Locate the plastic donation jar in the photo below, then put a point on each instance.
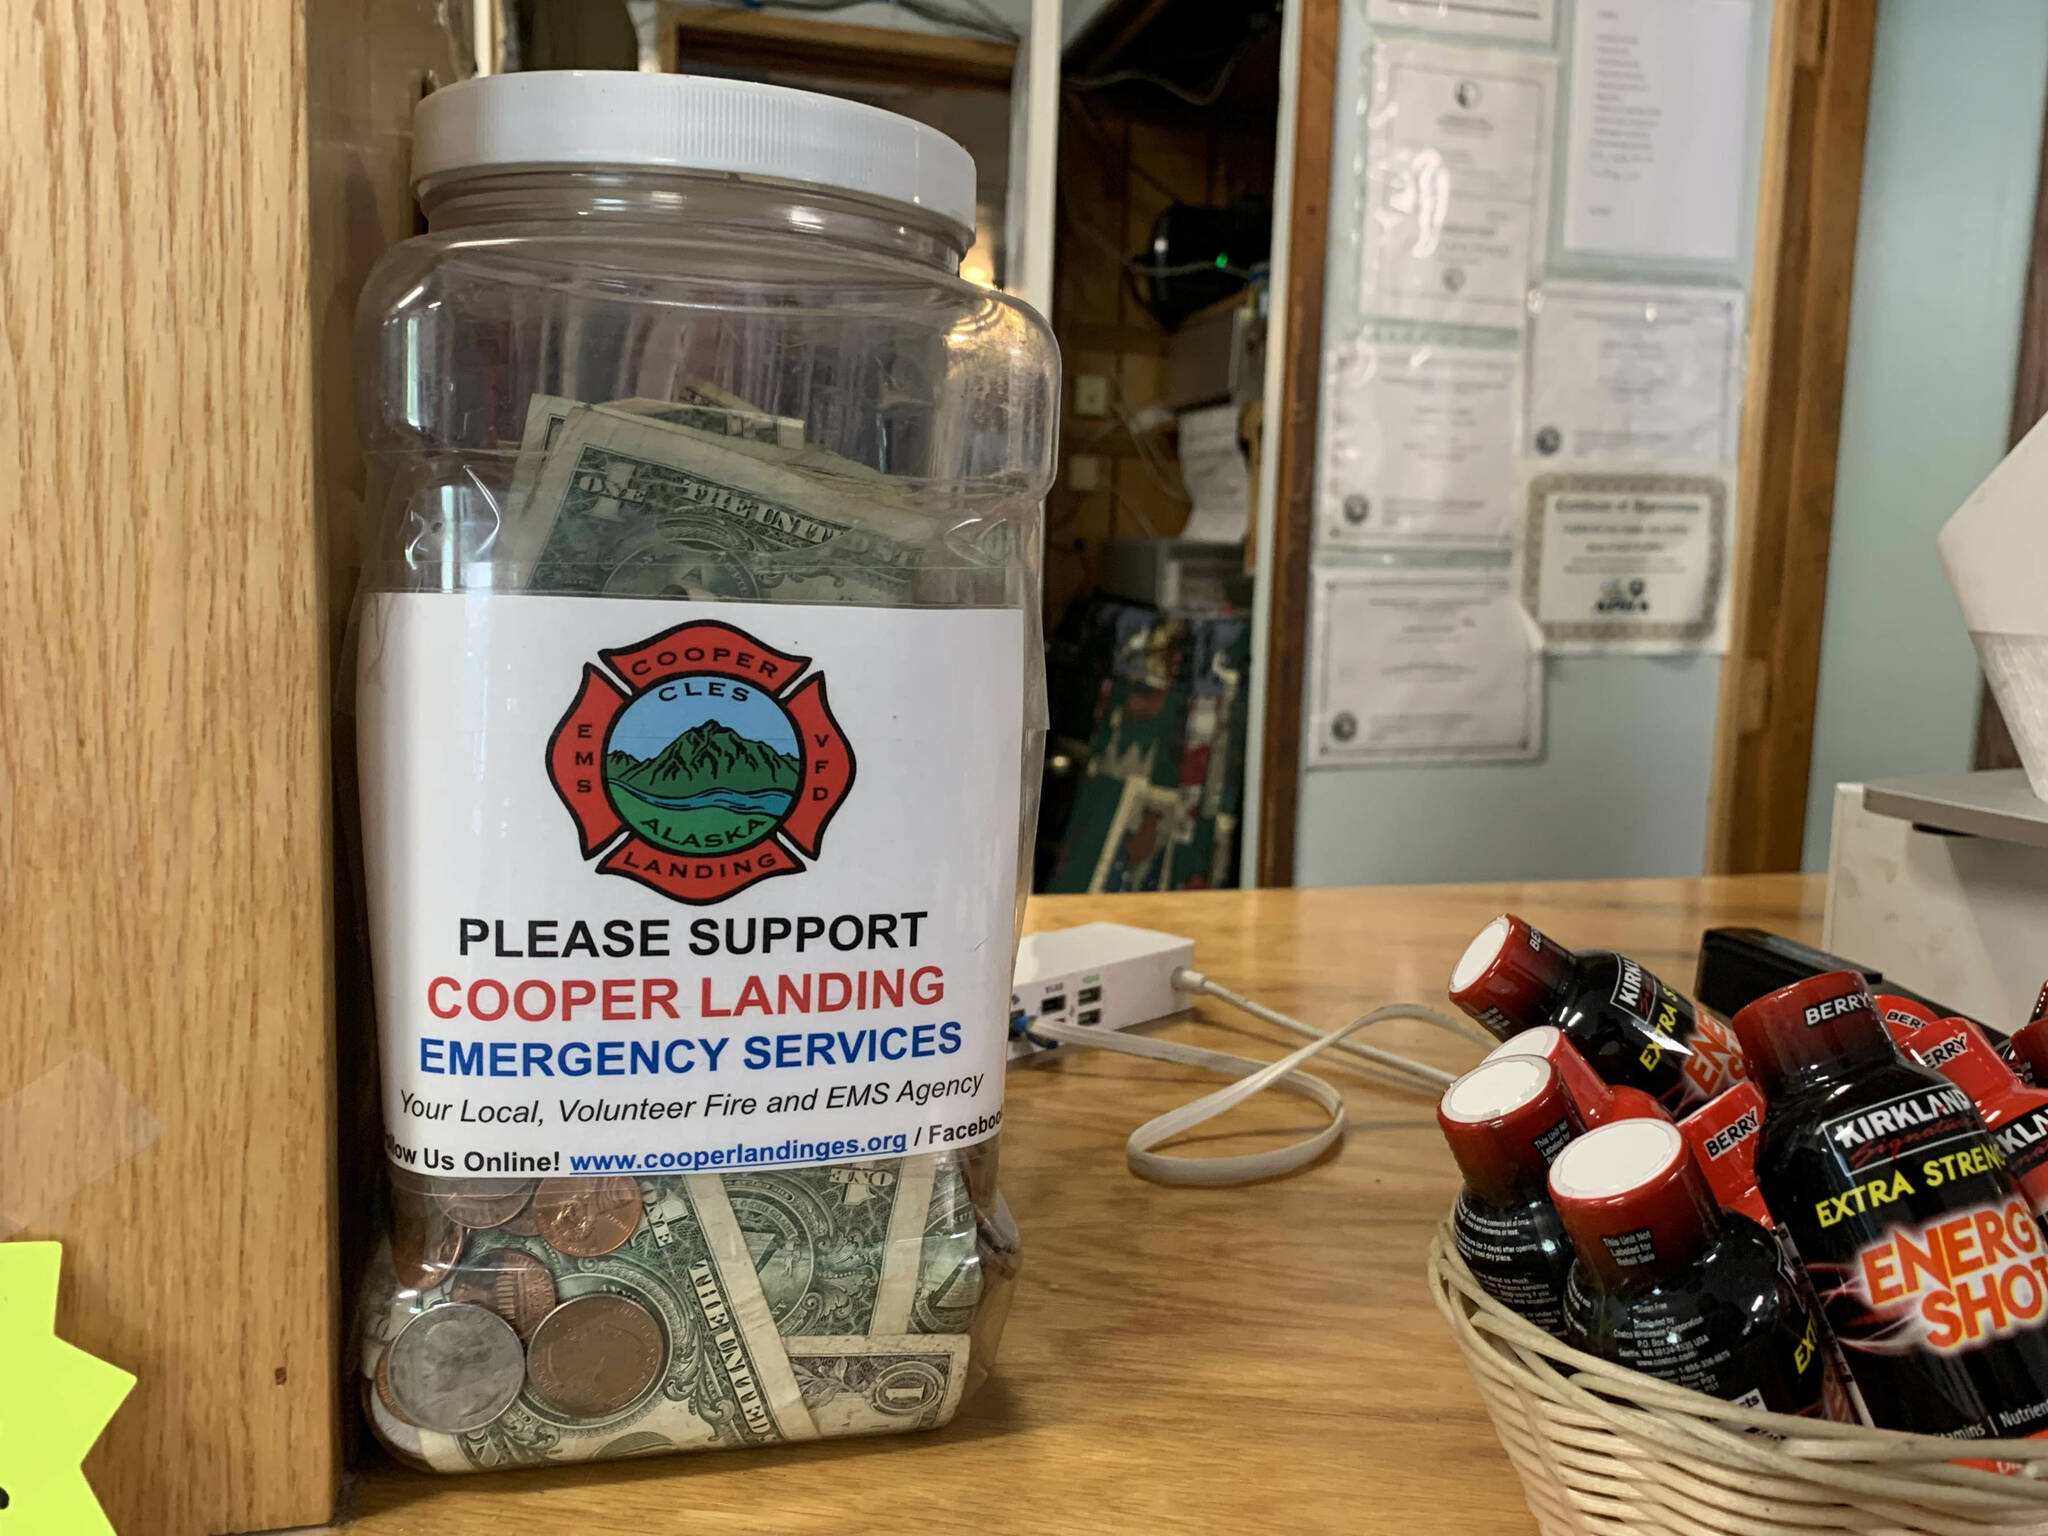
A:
(698, 709)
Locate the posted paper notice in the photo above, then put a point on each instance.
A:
(1657, 129)
(1629, 562)
(1457, 182)
(1423, 666)
(1420, 447)
(1629, 372)
(1213, 469)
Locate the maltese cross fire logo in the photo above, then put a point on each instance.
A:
(700, 761)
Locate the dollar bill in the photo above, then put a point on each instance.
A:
(903, 1251)
(643, 508)
(833, 1246)
(741, 421)
(807, 457)
(700, 410)
(726, 1381)
(951, 1269)
(704, 392)
(880, 1383)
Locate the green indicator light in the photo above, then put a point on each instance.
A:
(1222, 261)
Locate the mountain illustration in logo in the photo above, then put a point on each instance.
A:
(700, 761)
(705, 757)
(710, 788)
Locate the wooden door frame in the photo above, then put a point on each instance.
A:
(1807, 207)
(1301, 351)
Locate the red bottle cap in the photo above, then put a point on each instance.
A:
(1903, 1012)
(1957, 1049)
(1509, 976)
(2031, 1045)
(1505, 1120)
(1722, 1134)
(1633, 1200)
(1597, 1101)
(1810, 1023)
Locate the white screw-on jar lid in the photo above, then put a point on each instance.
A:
(691, 122)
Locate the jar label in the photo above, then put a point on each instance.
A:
(672, 886)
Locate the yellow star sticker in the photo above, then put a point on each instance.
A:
(54, 1401)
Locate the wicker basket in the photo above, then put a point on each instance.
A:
(1600, 1448)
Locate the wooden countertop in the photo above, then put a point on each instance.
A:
(1263, 1358)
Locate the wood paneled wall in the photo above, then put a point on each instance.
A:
(166, 1059)
(163, 740)
(1118, 173)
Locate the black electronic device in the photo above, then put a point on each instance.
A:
(1200, 255)
(1739, 965)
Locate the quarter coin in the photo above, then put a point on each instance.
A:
(456, 1368)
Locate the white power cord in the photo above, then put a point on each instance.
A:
(1253, 1077)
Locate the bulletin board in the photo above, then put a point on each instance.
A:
(1543, 380)
(1585, 446)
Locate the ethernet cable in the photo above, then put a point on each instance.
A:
(1254, 1077)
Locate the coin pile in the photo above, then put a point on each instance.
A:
(510, 1322)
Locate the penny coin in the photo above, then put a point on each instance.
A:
(456, 1368)
(515, 1285)
(383, 1380)
(587, 1218)
(424, 1243)
(595, 1355)
(483, 1203)
(523, 1224)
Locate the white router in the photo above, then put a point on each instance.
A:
(1105, 975)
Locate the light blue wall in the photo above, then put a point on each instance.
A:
(1950, 164)
(1621, 790)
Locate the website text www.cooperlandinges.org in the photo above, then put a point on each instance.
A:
(741, 1154)
(793, 1152)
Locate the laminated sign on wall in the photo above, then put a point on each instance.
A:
(1631, 562)
(1637, 372)
(1658, 127)
(1419, 444)
(1421, 666)
(1457, 182)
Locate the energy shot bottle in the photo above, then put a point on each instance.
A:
(1927, 1260)
(1903, 1013)
(1632, 1029)
(1505, 1120)
(2030, 1043)
(1722, 1136)
(1669, 1284)
(2016, 1114)
(1903, 1016)
(1597, 1101)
